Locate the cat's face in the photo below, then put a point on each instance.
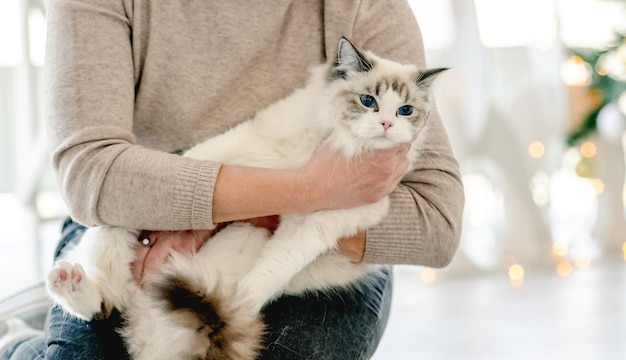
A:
(383, 103)
(383, 110)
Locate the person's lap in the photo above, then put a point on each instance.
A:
(345, 324)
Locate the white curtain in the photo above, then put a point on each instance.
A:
(505, 92)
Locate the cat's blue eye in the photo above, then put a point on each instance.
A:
(405, 110)
(368, 101)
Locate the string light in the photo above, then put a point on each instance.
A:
(516, 275)
(612, 63)
(536, 149)
(598, 185)
(601, 69)
(588, 149)
(564, 268)
(582, 262)
(559, 249)
(576, 72)
(428, 275)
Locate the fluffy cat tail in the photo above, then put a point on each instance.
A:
(184, 314)
(223, 326)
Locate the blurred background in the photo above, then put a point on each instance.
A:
(535, 106)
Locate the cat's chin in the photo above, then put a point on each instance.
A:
(384, 142)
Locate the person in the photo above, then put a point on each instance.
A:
(131, 84)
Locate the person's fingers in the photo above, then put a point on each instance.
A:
(402, 149)
(403, 165)
(156, 254)
(162, 243)
(268, 222)
(353, 246)
(137, 266)
(191, 241)
(141, 253)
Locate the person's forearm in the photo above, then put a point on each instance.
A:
(243, 192)
(327, 181)
(256, 192)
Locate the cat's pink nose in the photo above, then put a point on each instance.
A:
(386, 124)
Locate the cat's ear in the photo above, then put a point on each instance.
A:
(349, 58)
(426, 77)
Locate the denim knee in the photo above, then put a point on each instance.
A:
(346, 323)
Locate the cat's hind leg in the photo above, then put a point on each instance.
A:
(70, 287)
(95, 276)
(298, 241)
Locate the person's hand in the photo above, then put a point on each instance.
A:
(162, 243)
(269, 222)
(334, 182)
(353, 247)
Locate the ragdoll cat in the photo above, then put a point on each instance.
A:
(206, 306)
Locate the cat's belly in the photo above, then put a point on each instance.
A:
(233, 251)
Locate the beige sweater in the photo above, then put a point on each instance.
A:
(132, 82)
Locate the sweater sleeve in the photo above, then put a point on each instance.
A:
(424, 223)
(105, 177)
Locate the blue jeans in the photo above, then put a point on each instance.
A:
(339, 325)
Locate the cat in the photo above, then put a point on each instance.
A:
(207, 305)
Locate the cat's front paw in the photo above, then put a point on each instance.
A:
(70, 287)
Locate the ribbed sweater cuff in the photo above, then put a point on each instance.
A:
(395, 240)
(193, 194)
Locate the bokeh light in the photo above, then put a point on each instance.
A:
(516, 275)
(588, 149)
(536, 149)
(428, 275)
(576, 72)
(564, 268)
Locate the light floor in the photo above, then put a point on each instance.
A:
(581, 317)
(479, 316)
